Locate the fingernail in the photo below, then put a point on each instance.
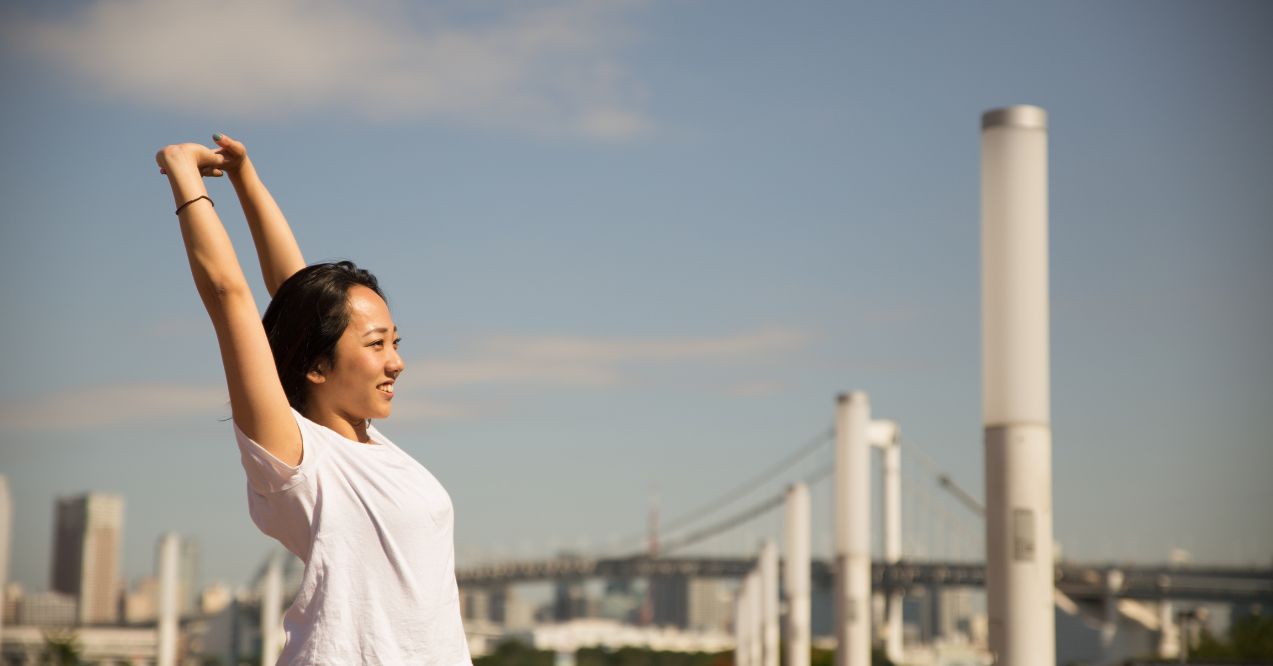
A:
(216, 137)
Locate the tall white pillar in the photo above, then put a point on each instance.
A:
(1015, 385)
(1109, 627)
(755, 619)
(740, 626)
(769, 602)
(853, 531)
(271, 612)
(169, 556)
(1168, 636)
(6, 527)
(892, 472)
(796, 575)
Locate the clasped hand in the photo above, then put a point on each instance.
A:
(228, 158)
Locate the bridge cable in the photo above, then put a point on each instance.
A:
(743, 516)
(740, 490)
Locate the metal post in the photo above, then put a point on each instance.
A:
(1015, 386)
(853, 531)
(169, 557)
(769, 601)
(797, 576)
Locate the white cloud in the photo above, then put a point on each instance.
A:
(755, 389)
(539, 67)
(412, 410)
(565, 361)
(112, 405)
(537, 361)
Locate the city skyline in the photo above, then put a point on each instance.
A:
(646, 245)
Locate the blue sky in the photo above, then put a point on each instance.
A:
(644, 244)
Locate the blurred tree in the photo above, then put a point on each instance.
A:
(61, 649)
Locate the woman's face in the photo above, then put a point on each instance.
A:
(359, 383)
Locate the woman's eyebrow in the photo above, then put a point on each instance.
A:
(379, 329)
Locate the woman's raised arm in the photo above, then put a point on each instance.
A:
(276, 246)
(257, 400)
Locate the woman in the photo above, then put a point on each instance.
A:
(373, 526)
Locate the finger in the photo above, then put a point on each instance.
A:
(217, 173)
(229, 145)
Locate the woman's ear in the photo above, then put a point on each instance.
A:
(317, 374)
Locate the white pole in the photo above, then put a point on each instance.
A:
(797, 576)
(169, 563)
(893, 545)
(1168, 637)
(740, 626)
(6, 526)
(755, 620)
(271, 602)
(769, 602)
(1109, 628)
(1015, 385)
(853, 531)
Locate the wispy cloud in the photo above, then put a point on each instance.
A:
(503, 362)
(537, 67)
(111, 405)
(415, 410)
(565, 361)
(755, 389)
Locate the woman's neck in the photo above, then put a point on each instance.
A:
(347, 427)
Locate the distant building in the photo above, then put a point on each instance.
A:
(669, 597)
(12, 597)
(141, 604)
(214, 597)
(86, 554)
(570, 600)
(621, 601)
(691, 602)
(711, 604)
(47, 609)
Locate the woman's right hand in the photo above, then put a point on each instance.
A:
(201, 157)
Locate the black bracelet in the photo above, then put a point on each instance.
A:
(178, 211)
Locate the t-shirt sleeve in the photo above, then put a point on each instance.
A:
(267, 474)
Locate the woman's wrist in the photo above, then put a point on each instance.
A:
(244, 170)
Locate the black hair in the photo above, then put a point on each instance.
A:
(306, 318)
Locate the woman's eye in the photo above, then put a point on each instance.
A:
(378, 343)
(397, 342)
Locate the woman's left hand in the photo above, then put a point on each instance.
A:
(228, 158)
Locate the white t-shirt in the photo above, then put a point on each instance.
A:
(375, 531)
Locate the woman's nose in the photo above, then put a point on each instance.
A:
(396, 364)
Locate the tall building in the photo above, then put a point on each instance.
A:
(86, 554)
